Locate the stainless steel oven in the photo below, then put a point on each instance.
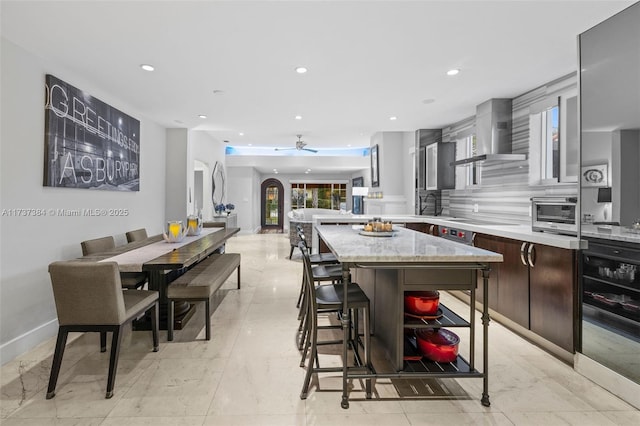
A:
(558, 215)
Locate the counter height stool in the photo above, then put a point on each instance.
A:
(324, 299)
(130, 280)
(89, 297)
(136, 235)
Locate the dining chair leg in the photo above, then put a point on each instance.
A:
(170, 321)
(207, 320)
(57, 361)
(103, 341)
(154, 325)
(113, 360)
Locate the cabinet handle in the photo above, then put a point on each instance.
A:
(473, 239)
(531, 254)
(522, 249)
(431, 229)
(616, 252)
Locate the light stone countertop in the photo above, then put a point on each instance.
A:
(608, 232)
(404, 246)
(517, 232)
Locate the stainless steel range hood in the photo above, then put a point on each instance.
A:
(493, 134)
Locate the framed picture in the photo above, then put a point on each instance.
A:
(594, 176)
(88, 143)
(375, 176)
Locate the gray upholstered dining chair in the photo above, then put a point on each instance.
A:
(130, 280)
(136, 235)
(89, 298)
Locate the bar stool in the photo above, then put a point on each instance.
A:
(327, 267)
(320, 274)
(325, 299)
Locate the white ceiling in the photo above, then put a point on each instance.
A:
(367, 60)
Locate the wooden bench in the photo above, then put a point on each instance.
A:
(200, 282)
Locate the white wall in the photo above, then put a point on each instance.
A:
(206, 150)
(241, 187)
(29, 244)
(176, 170)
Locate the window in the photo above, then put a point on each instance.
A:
(553, 139)
(319, 195)
(467, 148)
(549, 144)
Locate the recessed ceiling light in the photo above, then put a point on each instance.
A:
(202, 116)
(241, 134)
(298, 117)
(301, 70)
(454, 71)
(147, 67)
(393, 118)
(306, 172)
(428, 101)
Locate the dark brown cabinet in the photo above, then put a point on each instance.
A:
(552, 293)
(425, 228)
(508, 281)
(535, 286)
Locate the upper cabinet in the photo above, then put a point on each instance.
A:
(434, 161)
(610, 118)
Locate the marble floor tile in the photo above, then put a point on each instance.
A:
(249, 373)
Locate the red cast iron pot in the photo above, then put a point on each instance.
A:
(421, 302)
(439, 345)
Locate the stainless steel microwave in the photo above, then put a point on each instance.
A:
(558, 215)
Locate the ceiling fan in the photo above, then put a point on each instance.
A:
(300, 146)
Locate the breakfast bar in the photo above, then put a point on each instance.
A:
(405, 260)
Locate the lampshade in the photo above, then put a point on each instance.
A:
(604, 195)
(359, 191)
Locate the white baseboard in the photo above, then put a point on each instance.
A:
(27, 341)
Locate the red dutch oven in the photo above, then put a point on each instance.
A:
(421, 302)
(439, 345)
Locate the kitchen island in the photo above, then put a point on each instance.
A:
(410, 260)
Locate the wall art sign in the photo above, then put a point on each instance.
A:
(594, 175)
(88, 144)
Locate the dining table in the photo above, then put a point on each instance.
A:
(163, 262)
(388, 264)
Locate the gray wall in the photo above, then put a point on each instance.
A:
(29, 244)
(505, 190)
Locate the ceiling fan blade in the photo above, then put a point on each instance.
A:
(284, 149)
(310, 150)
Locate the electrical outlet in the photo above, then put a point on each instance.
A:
(475, 208)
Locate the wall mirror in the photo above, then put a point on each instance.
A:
(217, 184)
(610, 118)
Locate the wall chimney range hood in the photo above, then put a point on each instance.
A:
(493, 134)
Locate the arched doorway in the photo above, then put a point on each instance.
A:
(272, 205)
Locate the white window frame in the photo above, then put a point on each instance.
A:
(464, 174)
(539, 133)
